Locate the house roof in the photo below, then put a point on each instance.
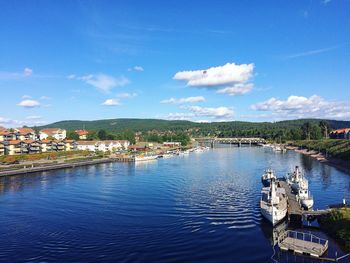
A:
(344, 130)
(87, 142)
(81, 132)
(24, 131)
(51, 131)
(13, 142)
(2, 129)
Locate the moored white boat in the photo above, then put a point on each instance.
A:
(267, 177)
(145, 158)
(300, 186)
(273, 204)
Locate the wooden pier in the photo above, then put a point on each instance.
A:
(303, 243)
(295, 210)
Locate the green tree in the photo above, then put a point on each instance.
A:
(102, 135)
(71, 135)
(306, 130)
(325, 128)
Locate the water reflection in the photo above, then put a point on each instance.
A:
(202, 208)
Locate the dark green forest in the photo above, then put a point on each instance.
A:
(160, 130)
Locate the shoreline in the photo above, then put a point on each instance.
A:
(51, 167)
(342, 165)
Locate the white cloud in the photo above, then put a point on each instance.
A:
(45, 98)
(237, 89)
(29, 103)
(17, 123)
(183, 100)
(217, 113)
(136, 68)
(26, 97)
(127, 95)
(303, 107)
(223, 78)
(102, 82)
(111, 102)
(27, 72)
(33, 117)
(314, 52)
(183, 116)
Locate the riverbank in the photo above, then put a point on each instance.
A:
(55, 166)
(336, 155)
(337, 224)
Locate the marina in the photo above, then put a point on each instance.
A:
(190, 207)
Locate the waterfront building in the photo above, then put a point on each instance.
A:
(25, 134)
(86, 146)
(103, 146)
(70, 145)
(172, 144)
(340, 134)
(56, 133)
(82, 134)
(14, 147)
(33, 146)
(2, 149)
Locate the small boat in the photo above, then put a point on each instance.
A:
(273, 203)
(145, 158)
(300, 186)
(295, 178)
(267, 177)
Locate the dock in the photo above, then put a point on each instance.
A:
(303, 243)
(295, 209)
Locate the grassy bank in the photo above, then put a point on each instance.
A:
(339, 149)
(337, 224)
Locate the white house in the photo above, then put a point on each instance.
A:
(103, 146)
(56, 133)
(87, 146)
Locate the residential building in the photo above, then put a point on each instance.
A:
(70, 145)
(82, 134)
(87, 146)
(340, 134)
(2, 149)
(33, 146)
(25, 134)
(10, 135)
(103, 146)
(56, 133)
(58, 146)
(14, 147)
(172, 144)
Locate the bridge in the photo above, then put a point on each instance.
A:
(235, 141)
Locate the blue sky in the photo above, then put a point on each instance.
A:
(195, 60)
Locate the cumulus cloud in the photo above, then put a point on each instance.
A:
(27, 72)
(229, 79)
(183, 100)
(217, 113)
(29, 103)
(183, 116)
(16, 123)
(237, 89)
(111, 102)
(303, 107)
(102, 82)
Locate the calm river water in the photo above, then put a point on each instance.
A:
(203, 207)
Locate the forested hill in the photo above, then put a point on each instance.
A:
(234, 128)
